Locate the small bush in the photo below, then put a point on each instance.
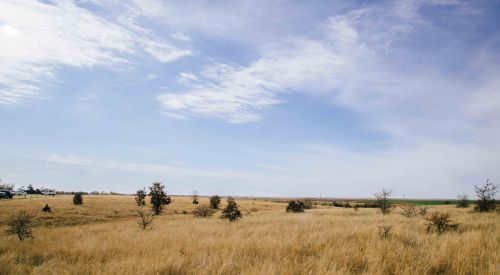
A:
(78, 198)
(463, 201)
(46, 208)
(408, 211)
(203, 211)
(140, 197)
(20, 225)
(295, 207)
(231, 211)
(214, 202)
(195, 197)
(384, 231)
(422, 211)
(440, 222)
(145, 221)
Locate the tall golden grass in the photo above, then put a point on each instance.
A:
(101, 237)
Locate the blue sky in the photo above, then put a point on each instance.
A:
(263, 98)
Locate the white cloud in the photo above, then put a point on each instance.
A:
(180, 36)
(39, 38)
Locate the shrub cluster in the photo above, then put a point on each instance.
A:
(295, 207)
(203, 211)
(440, 222)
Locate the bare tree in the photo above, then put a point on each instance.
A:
(145, 221)
(486, 197)
(383, 198)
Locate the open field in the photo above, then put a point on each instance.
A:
(101, 237)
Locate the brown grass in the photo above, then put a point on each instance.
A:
(101, 237)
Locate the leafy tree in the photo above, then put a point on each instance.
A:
(463, 201)
(159, 197)
(486, 197)
(78, 198)
(30, 190)
(295, 207)
(140, 197)
(383, 198)
(20, 225)
(214, 202)
(195, 197)
(231, 211)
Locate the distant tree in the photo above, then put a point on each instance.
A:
(78, 198)
(159, 197)
(6, 186)
(295, 207)
(231, 211)
(486, 197)
(463, 201)
(30, 190)
(46, 208)
(383, 198)
(195, 197)
(140, 197)
(145, 221)
(214, 202)
(20, 225)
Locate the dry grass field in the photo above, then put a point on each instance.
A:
(102, 237)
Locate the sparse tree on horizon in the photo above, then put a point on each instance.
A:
(195, 197)
(486, 197)
(383, 198)
(158, 197)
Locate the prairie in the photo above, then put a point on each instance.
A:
(102, 237)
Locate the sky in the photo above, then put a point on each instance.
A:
(251, 98)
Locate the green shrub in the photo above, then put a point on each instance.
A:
(140, 197)
(463, 201)
(231, 211)
(214, 202)
(203, 211)
(78, 198)
(440, 222)
(295, 207)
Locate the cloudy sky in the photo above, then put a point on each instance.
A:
(267, 98)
